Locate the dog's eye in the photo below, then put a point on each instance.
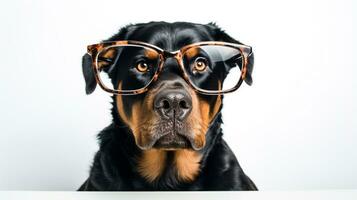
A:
(142, 67)
(200, 64)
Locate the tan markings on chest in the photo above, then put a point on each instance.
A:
(152, 164)
(187, 163)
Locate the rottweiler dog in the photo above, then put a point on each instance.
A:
(167, 81)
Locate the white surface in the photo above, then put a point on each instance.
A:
(295, 128)
(276, 195)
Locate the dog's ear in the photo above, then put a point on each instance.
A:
(88, 73)
(221, 35)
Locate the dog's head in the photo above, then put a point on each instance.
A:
(170, 114)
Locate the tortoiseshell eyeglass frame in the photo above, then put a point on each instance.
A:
(95, 49)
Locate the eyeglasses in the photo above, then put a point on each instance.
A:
(130, 67)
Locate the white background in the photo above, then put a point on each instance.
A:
(295, 128)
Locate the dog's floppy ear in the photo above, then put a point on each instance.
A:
(88, 73)
(220, 35)
(87, 68)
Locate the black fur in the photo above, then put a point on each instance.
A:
(115, 165)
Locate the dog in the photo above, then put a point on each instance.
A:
(168, 136)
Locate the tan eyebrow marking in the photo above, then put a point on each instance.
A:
(192, 52)
(151, 54)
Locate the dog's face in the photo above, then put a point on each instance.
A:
(170, 114)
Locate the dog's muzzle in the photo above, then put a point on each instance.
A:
(173, 106)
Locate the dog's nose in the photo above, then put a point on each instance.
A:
(173, 104)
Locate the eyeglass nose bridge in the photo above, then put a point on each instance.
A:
(173, 54)
(178, 56)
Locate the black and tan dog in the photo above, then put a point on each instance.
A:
(168, 137)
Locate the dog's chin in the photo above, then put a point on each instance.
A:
(171, 136)
(172, 141)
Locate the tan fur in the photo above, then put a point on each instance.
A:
(196, 122)
(141, 119)
(135, 123)
(192, 52)
(151, 54)
(152, 163)
(188, 164)
(201, 116)
(120, 107)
